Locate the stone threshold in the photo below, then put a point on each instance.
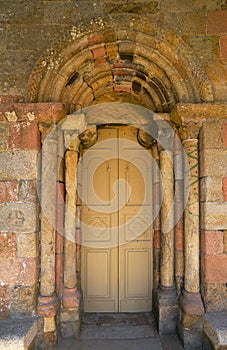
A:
(215, 331)
(18, 333)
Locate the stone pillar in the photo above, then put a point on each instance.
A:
(156, 216)
(47, 301)
(190, 325)
(166, 298)
(178, 213)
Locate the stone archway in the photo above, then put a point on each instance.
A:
(62, 276)
(120, 58)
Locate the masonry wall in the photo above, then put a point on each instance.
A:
(19, 202)
(27, 28)
(213, 197)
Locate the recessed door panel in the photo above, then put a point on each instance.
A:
(116, 224)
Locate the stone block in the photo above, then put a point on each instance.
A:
(214, 268)
(8, 244)
(18, 333)
(49, 324)
(28, 191)
(225, 241)
(18, 165)
(4, 133)
(224, 126)
(213, 162)
(213, 216)
(18, 217)
(187, 23)
(8, 191)
(4, 301)
(215, 328)
(212, 242)
(211, 134)
(23, 300)
(24, 135)
(214, 295)
(99, 51)
(21, 271)
(224, 188)
(192, 339)
(206, 48)
(223, 46)
(211, 189)
(21, 12)
(27, 245)
(217, 22)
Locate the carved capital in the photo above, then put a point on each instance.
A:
(47, 305)
(48, 131)
(145, 138)
(71, 140)
(89, 137)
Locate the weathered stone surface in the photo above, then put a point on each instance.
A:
(49, 324)
(223, 44)
(213, 216)
(212, 242)
(17, 333)
(217, 22)
(4, 133)
(211, 189)
(209, 167)
(24, 135)
(8, 244)
(8, 191)
(4, 302)
(186, 22)
(27, 245)
(214, 268)
(18, 165)
(28, 191)
(211, 134)
(21, 271)
(23, 300)
(215, 327)
(214, 295)
(18, 217)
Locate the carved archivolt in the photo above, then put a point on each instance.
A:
(133, 61)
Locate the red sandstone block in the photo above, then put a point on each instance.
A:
(8, 191)
(223, 46)
(212, 242)
(179, 238)
(96, 39)
(157, 239)
(99, 51)
(214, 268)
(122, 88)
(4, 99)
(4, 301)
(22, 271)
(100, 62)
(8, 244)
(224, 188)
(24, 135)
(224, 133)
(217, 22)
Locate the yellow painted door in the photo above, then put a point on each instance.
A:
(116, 271)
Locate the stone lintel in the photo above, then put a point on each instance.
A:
(47, 305)
(71, 298)
(166, 310)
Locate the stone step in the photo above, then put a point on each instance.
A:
(215, 331)
(18, 333)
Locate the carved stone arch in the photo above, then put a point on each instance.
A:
(133, 61)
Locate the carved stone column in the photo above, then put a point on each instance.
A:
(47, 301)
(166, 298)
(192, 309)
(179, 209)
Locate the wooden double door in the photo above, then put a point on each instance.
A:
(116, 260)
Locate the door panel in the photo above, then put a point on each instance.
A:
(117, 260)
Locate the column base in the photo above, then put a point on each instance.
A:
(190, 326)
(47, 305)
(166, 310)
(71, 312)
